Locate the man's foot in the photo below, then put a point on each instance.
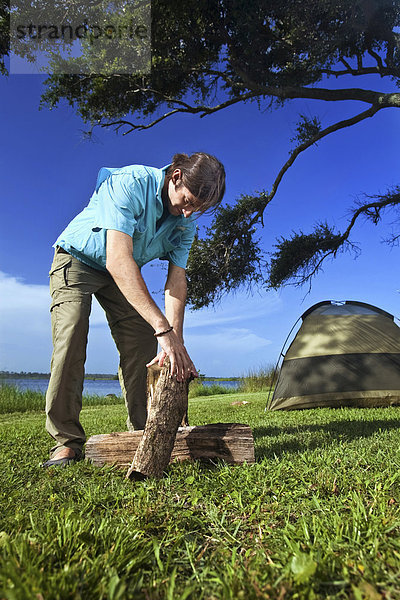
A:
(63, 458)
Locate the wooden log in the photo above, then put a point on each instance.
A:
(168, 406)
(231, 442)
(153, 375)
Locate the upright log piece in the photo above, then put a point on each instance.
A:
(168, 406)
(153, 374)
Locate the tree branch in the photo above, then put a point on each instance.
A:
(121, 122)
(356, 72)
(361, 95)
(378, 59)
(346, 64)
(221, 75)
(183, 108)
(307, 278)
(378, 99)
(391, 200)
(229, 232)
(311, 93)
(372, 210)
(321, 134)
(394, 240)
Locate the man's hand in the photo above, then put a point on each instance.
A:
(181, 364)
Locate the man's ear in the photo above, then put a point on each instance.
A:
(176, 177)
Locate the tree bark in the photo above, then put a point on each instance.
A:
(153, 375)
(168, 406)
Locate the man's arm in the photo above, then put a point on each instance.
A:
(175, 298)
(126, 274)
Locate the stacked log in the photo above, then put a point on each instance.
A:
(231, 442)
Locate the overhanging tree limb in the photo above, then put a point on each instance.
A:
(332, 128)
(389, 200)
(267, 198)
(377, 99)
(211, 55)
(230, 239)
(203, 111)
(297, 260)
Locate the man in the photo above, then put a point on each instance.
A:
(135, 215)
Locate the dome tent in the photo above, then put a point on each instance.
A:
(344, 354)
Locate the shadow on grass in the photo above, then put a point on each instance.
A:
(298, 437)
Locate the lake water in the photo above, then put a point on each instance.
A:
(98, 387)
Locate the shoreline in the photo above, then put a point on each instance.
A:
(4, 375)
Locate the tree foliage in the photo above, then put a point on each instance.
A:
(212, 54)
(300, 257)
(229, 255)
(301, 253)
(307, 128)
(4, 35)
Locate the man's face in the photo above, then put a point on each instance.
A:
(180, 200)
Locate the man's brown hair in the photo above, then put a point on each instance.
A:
(203, 175)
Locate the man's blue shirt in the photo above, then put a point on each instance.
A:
(128, 199)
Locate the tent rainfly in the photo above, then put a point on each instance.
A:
(344, 354)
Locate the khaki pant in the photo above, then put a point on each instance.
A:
(72, 284)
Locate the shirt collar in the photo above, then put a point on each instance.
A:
(161, 182)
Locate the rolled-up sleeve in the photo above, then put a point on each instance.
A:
(119, 203)
(179, 255)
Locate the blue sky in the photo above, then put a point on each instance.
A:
(48, 171)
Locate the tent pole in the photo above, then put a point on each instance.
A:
(274, 375)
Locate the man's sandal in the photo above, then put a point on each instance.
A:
(62, 462)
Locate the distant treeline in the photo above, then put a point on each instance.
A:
(219, 378)
(35, 375)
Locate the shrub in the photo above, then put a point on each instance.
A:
(257, 380)
(196, 388)
(13, 399)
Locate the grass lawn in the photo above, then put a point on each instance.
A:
(317, 516)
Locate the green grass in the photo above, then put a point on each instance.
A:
(12, 399)
(317, 516)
